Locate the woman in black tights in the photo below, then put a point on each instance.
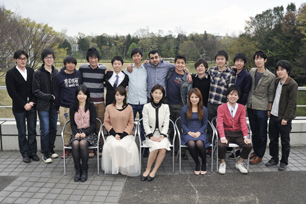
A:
(194, 124)
(83, 125)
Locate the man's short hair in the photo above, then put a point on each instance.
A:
(222, 53)
(180, 57)
(18, 53)
(241, 56)
(92, 52)
(153, 52)
(135, 51)
(284, 64)
(47, 52)
(118, 58)
(70, 59)
(233, 88)
(199, 62)
(261, 54)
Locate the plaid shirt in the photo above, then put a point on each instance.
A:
(219, 83)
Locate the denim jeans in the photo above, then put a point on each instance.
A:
(48, 128)
(27, 147)
(276, 130)
(258, 122)
(138, 108)
(175, 113)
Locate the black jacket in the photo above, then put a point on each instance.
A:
(43, 88)
(19, 89)
(110, 94)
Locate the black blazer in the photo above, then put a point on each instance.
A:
(110, 90)
(19, 89)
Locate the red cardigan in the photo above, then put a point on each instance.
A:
(225, 122)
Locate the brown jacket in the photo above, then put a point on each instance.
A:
(288, 99)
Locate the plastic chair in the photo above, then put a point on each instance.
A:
(213, 145)
(233, 145)
(142, 144)
(90, 147)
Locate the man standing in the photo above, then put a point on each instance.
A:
(42, 88)
(65, 85)
(19, 87)
(137, 95)
(93, 77)
(221, 78)
(177, 94)
(259, 105)
(282, 112)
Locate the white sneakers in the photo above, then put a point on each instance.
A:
(47, 160)
(222, 168)
(53, 155)
(241, 168)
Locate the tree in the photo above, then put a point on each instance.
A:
(189, 50)
(66, 45)
(132, 46)
(83, 43)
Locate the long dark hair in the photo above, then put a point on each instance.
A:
(121, 90)
(85, 90)
(160, 87)
(197, 92)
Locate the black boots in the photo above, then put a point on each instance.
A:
(84, 172)
(77, 176)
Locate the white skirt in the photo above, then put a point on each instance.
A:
(164, 144)
(121, 156)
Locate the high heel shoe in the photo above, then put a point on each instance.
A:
(150, 178)
(203, 172)
(197, 172)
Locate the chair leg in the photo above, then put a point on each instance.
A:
(65, 173)
(98, 160)
(212, 159)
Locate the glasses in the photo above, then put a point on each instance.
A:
(48, 58)
(23, 59)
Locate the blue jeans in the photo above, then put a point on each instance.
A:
(48, 128)
(258, 122)
(27, 147)
(138, 108)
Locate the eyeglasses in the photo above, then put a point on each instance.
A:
(49, 58)
(23, 59)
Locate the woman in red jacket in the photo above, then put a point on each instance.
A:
(232, 128)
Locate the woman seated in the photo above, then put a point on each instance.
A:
(83, 125)
(232, 128)
(156, 123)
(120, 152)
(194, 124)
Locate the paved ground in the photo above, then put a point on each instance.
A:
(38, 182)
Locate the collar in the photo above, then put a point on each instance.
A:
(25, 69)
(231, 107)
(206, 76)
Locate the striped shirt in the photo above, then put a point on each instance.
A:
(219, 83)
(93, 79)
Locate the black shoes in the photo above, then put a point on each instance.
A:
(26, 159)
(271, 162)
(35, 158)
(282, 167)
(150, 178)
(84, 173)
(77, 176)
(184, 156)
(143, 178)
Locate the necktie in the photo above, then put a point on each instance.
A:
(116, 81)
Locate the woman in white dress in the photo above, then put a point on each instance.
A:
(156, 124)
(120, 152)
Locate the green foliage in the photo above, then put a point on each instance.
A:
(66, 45)
(189, 50)
(132, 46)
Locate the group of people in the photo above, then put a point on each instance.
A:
(158, 91)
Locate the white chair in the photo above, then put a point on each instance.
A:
(213, 145)
(233, 145)
(142, 144)
(90, 147)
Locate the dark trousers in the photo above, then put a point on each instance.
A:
(237, 138)
(212, 112)
(277, 130)
(175, 112)
(27, 147)
(138, 108)
(258, 122)
(48, 128)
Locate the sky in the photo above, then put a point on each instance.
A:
(121, 17)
